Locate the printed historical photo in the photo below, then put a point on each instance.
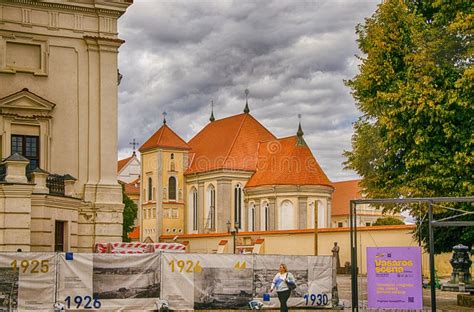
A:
(8, 289)
(265, 269)
(130, 276)
(218, 288)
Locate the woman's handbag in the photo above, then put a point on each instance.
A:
(291, 284)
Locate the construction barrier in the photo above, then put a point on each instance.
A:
(152, 281)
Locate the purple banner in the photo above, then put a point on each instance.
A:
(394, 278)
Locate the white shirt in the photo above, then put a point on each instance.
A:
(279, 281)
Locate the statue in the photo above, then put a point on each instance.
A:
(335, 254)
(461, 265)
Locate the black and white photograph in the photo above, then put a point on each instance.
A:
(8, 289)
(265, 269)
(131, 276)
(217, 288)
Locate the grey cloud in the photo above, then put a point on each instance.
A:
(293, 56)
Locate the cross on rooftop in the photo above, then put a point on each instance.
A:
(134, 144)
(164, 117)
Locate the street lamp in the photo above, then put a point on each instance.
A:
(234, 231)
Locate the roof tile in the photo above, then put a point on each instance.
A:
(344, 192)
(164, 137)
(284, 162)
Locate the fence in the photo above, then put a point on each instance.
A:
(40, 281)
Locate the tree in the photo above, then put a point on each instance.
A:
(414, 89)
(129, 215)
(388, 221)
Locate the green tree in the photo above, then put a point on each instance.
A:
(388, 221)
(415, 137)
(129, 215)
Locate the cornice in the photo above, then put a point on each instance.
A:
(76, 7)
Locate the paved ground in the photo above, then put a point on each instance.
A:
(445, 301)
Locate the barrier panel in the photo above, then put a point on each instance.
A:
(180, 281)
(314, 280)
(27, 281)
(109, 281)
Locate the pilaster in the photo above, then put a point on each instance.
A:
(273, 222)
(224, 204)
(302, 212)
(201, 216)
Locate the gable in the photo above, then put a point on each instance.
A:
(25, 103)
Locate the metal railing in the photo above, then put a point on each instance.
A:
(55, 183)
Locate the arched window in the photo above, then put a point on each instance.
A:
(265, 213)
(172, 156)
(238, 205)
(172, 188)
(150, 189)
(193, 200)
(251, 224)
(211, 208)
(287, 215)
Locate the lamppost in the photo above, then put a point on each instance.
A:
(234, 231)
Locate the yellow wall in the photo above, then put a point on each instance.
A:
(301, 242)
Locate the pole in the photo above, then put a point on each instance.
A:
(353, 260)
(233, 234)
(356, 272)
(432, 264)
(316, 227)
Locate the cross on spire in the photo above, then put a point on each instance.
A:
(247, 109)
(164, 118)
(134, 144)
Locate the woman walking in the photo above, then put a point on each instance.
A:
(282, 283)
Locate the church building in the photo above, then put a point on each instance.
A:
(234, 173)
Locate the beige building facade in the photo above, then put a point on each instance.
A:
(58, 108)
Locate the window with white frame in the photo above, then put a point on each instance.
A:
(251, 222)
(211, 207)
(193, 199)
(238, 205)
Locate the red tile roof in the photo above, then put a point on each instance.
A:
(228, 143)
(343, 193)
(122, 163)
(133, 188)
(284, 162)
(166, 138)
(135, 234)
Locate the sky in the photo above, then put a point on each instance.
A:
(292, 56)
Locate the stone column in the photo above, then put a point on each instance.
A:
(224, 204)
(302, 212)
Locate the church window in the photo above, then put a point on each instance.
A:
(287, 215)
(172, 156)
(194, 206)
(211, 201)
(321, 215)
(172, 188)
(265, 217)
(27, 146)
(238, 205)
(150, 189)
(251, 226)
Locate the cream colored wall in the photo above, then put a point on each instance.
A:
(67, 55)
(148, 224)
(302, 243)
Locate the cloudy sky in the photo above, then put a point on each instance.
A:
(292, 55)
